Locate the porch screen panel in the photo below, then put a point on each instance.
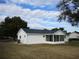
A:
(51, 38)
(56, 38)
(62, 37)
(47, 38)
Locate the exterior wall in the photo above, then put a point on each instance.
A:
(66, 39)
(34, 38)
(23, 36)
(41, 38)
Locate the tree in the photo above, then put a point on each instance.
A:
(45, 29)
(61, 29)
(69, 11)
(55, 29)
(11, 26)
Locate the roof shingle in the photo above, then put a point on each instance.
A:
(37, 31)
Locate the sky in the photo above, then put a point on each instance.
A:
(40, 14)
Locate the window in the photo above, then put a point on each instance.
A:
(49, 38)
(20, 37)
(43, 35)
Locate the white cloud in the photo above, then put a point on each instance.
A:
(11, 9)
(37, 2)
(33, 17)
(2, 17)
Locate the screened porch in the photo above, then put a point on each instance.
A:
(55, 38)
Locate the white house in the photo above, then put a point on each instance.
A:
(34, 36)
(73, 35)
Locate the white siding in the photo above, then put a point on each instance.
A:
(74, 35)
(34, 38)
(66, 39)
(39, 39)
(23, 36)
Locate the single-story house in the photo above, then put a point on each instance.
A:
(73, 36)
(35, 36)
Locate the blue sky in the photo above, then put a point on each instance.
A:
(39, 14)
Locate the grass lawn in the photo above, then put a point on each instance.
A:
(17, 51)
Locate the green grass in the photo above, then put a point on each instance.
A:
(18, 51)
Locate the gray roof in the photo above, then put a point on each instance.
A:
(37, 31)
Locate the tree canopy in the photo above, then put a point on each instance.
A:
(56, 29)
(10, 26)
(69, 11)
